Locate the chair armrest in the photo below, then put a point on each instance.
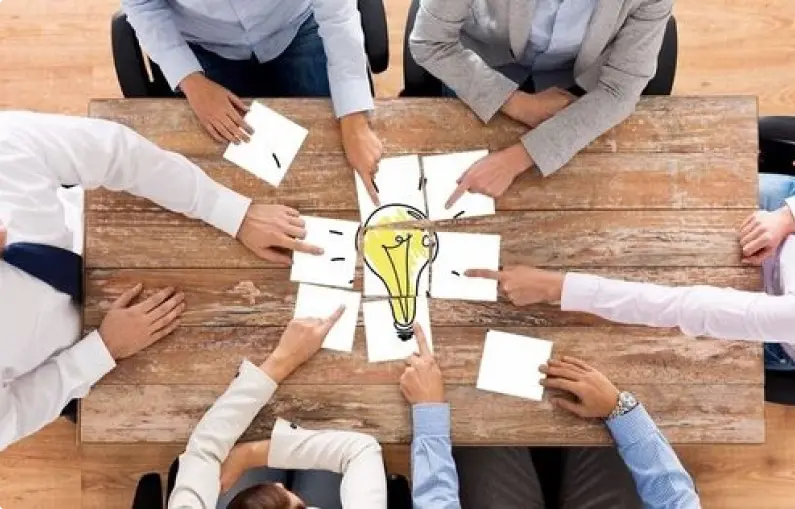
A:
(128, 58)
(417, 82)
(376, 34)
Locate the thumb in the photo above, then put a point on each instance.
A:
(577, 409)
(126, 298)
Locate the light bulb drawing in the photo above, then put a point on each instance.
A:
(399, 257)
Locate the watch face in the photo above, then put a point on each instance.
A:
(627, 400)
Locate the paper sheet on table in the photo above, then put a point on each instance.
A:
(441, 173)
(458, 252)
(320, 302)
(383, 343)
(510, 365)
(272, 148)
(337, 265)
(398, 180)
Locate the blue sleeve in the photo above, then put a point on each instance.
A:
(161, 39)
(432, 467)
(660, 478)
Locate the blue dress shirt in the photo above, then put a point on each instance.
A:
(661, 481)
(238, 29)
(435, 479)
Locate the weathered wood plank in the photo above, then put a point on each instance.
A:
(591, 181)
(212, 355)
(640, 238)
(660, 124)
(168, 413)
(243, 297)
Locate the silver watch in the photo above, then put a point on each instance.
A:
(626, 402)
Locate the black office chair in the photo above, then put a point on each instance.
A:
(777, 145)
(131, 63)
(418, 82)
(149, 492)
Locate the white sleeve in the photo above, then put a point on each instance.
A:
(721, 313)
(355, 455)
(39, 153)
(36, 398)
(199, 478)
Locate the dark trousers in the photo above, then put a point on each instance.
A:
(508, 478)
(300, 71)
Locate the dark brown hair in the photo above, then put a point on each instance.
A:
(261, 496)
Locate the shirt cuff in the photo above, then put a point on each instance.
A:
(431, 420)
(543, 150)
(631, 427)
(351, 96)
(229, 211)
(93, 357)
(790, 202)
(578, 291)
(249, 374)
(178, 63)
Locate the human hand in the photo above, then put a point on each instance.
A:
(524, 285)
(219, 110)
(422, 380)
(493, 174)
(762, 232)
(242, 458)
(533, 109)
(362, 148)
(273, 231)
(302, 339)
(596, 395)
(127, 329)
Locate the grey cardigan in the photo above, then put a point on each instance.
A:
(462, 41)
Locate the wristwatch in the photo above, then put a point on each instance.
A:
(625, 404)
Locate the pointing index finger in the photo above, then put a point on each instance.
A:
(462, 188)
(422, 341)
(483, 274)
(332, 320)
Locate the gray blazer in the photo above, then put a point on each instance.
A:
(462, 41)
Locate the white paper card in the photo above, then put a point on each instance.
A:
(374, 287)
(441, 173)
(320, 302)
(383, 343)
(272, 148)
(457, 253)
(398, 180)
(337, 265)
(510, 365)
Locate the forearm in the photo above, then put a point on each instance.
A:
(37, 398)
(339, 25)
(435, 44)
(721, 313)
(434, 476)
(161, 39)
(533, 109)
(660, 478)
(198, 480)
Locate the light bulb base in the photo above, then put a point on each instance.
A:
(403, 333)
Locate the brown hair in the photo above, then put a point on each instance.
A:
(261, 496)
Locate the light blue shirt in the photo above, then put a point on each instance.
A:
(433, 472)
(661, 480)
(238, 29)
(556, 34)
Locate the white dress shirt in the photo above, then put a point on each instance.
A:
(722, 313)
(43, 363)
(356, 456)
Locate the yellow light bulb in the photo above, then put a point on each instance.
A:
(398, 256)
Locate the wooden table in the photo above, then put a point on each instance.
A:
(658, 198)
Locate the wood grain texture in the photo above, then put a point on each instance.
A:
(638, 238)
(251, 297)
(212, 355)
(162, 413)
(660, 125)
(602, 181)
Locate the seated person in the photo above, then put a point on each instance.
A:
(44, 361)
(643, 470)
(484, 49)
(210, 464)
(215, 52)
